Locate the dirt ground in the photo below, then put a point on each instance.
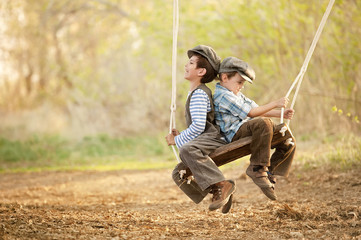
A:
(313, 204)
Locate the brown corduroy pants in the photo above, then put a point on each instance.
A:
(194, 155)
(261, 130)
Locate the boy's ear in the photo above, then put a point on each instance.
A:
(224, 77)
(201, 72)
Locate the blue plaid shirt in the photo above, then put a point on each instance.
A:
(231, 110)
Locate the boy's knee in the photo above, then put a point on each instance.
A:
(268, 121)
(265, 123)
(185, 150)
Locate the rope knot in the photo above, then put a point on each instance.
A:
(173, 108)
(181, 173)
(283, 131)
(289, 141)
(189, 178)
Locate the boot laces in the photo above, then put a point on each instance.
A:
(217, 193)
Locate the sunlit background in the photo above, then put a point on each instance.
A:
(91, 79)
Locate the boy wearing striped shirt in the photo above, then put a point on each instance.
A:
(236, 115)
(202, 135)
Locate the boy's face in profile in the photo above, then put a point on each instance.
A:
(190, 69)
(234, 84)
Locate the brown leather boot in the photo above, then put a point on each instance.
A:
(221, 192)
(260, 177)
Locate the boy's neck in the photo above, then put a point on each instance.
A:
(194, 85)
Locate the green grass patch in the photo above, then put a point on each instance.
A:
(336, 152)
(103, 152)
(98, 152)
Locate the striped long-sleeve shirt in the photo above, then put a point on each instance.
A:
(199, 106)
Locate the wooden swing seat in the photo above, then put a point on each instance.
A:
(240, 148)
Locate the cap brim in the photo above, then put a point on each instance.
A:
(245, 77)
(192, 52)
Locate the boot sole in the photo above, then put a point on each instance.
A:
(228, 205)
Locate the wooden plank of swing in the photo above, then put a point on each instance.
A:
(241, 147)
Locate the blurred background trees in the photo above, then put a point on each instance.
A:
(85, 67)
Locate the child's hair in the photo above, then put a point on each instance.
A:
(204, 63)
(229, 75)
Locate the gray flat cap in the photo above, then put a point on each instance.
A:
(208, 53)
(233, 64)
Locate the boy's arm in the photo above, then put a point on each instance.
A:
(288, 114)
(265, 110)
(273, 113)
(198, 109)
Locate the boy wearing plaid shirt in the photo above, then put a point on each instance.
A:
(236, 115)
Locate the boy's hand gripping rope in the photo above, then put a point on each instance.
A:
(307, 59)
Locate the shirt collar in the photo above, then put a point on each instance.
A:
(221, 88)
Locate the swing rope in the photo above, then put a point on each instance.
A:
(174, 73)
(297, 81)
(302, 72)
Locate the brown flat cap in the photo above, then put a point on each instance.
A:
(208, 53)
(233, 64)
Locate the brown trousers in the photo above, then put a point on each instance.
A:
(194, 155)
(261, 130)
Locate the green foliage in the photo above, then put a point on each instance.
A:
(16, 151)
(33, 150)
(115, 56)
(103, 145)
(353, 118)
(102, 152)
(334, 152)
